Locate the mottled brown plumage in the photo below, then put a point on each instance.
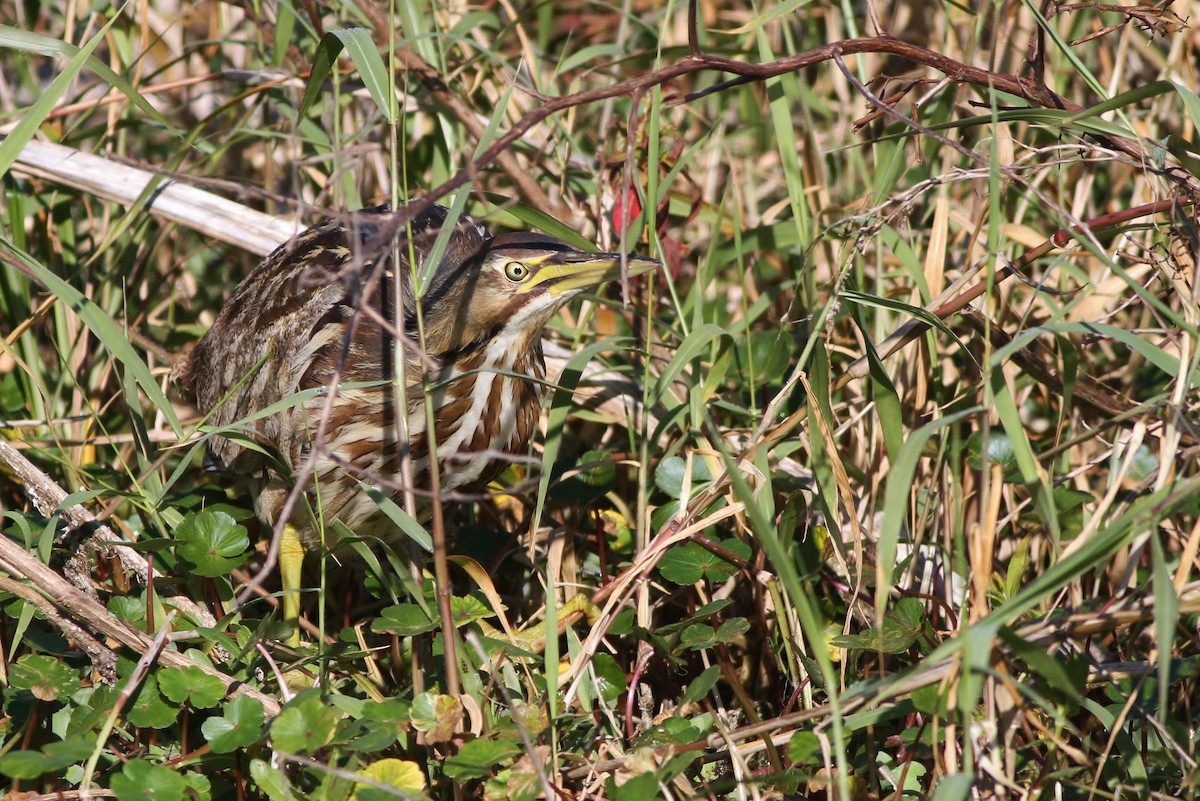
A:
(307, 343)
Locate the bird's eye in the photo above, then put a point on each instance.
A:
(516, 272)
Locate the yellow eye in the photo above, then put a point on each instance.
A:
(516, 272)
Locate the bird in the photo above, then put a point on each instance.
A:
(298, 372)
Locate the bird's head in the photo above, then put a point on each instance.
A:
(510, 287)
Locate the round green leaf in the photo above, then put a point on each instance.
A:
(51, 759)
(144, 781)
(149, 710)
(305, 725)
(668, 477)
(684, 563)
(402, 774)
(405, 620)
(239, 727)
(477, 758)
(129, 608)
(804, 748)
(999, 451)
(212, 541)
(688, 562)
(192, 685)
(47, 678)
(436, 715)
(610, 679)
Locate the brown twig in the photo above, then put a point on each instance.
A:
(527, 185)
(47, 497)
(91, 615)
(103, 659)
(1031, 89)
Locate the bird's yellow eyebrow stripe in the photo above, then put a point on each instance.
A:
(583, 273)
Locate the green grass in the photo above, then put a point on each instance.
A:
(962, 566)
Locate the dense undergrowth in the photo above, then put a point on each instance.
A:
(825, 563)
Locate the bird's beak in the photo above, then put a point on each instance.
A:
(567, 271)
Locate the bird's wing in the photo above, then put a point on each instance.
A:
(317, 312)
(283, 335)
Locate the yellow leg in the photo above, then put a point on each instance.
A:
(291, 559)
(533, 638)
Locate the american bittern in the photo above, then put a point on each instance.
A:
(320, 314)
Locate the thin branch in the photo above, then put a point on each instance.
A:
(91, 615)
(527, 185)
(47, 497)
(1029, 89)
(103, 659)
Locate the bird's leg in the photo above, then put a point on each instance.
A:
(291, 559)
(533, 638)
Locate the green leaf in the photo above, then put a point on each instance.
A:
(596, 476)
(671, 471)
(804, 748)
(900, 482)
(692, 346)
(361, 49)
(672, 731)
(45, 677)
(393, 710)
(130, 608)
(684, 563)
(701, 685)
(901, 627)
(468, 609)
(931, 699)
(436, 715)
(405, 620)
(477, 758)
(954, 787)
(999, 452)
(1066, 676)
(403, 778)
(732, 629)
(668, 476)
(140, 780)
(639, 788)
(1144, 464)
(305, 725)
(27, 764)
(536, 218)
(239, 726)
(191, 685)
(149, 710)
(270, 780)
(31, 118)
(53, 758)
(610, 678)
(514, 785)
(688, 562)
(212, 541)
(698, 636)
(27, 41)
